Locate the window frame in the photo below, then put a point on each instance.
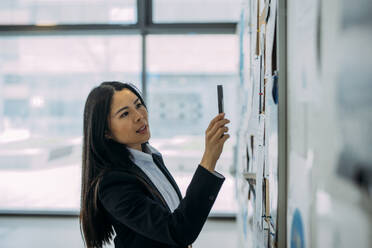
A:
(144, 26)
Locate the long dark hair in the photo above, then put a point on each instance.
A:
(100, 154)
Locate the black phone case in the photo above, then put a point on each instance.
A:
(220, 98)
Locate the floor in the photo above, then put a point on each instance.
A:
(58, 232)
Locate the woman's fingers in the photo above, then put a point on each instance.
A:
(224, 138)
(219, 133)
(218, 125)
(214, 120)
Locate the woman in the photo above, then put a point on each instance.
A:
(126, 187)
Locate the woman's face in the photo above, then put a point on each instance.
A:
(128, 117)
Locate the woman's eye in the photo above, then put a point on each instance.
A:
(139, 105)
(124, 114)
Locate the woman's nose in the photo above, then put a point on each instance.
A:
(138, 116)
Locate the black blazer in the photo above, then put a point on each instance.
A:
(140, 215)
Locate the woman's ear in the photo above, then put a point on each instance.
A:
(107, 135)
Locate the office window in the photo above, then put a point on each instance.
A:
(44, 82)
(172, 11)
(68, 12)
(183, 71)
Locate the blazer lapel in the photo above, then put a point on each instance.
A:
(137, 171)
(160, 163)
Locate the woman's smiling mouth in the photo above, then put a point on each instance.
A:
(142, 130)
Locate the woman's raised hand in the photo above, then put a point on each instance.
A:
(215, 138)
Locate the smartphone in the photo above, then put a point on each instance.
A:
(220, 98)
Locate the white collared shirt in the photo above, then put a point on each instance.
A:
(146, 163)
